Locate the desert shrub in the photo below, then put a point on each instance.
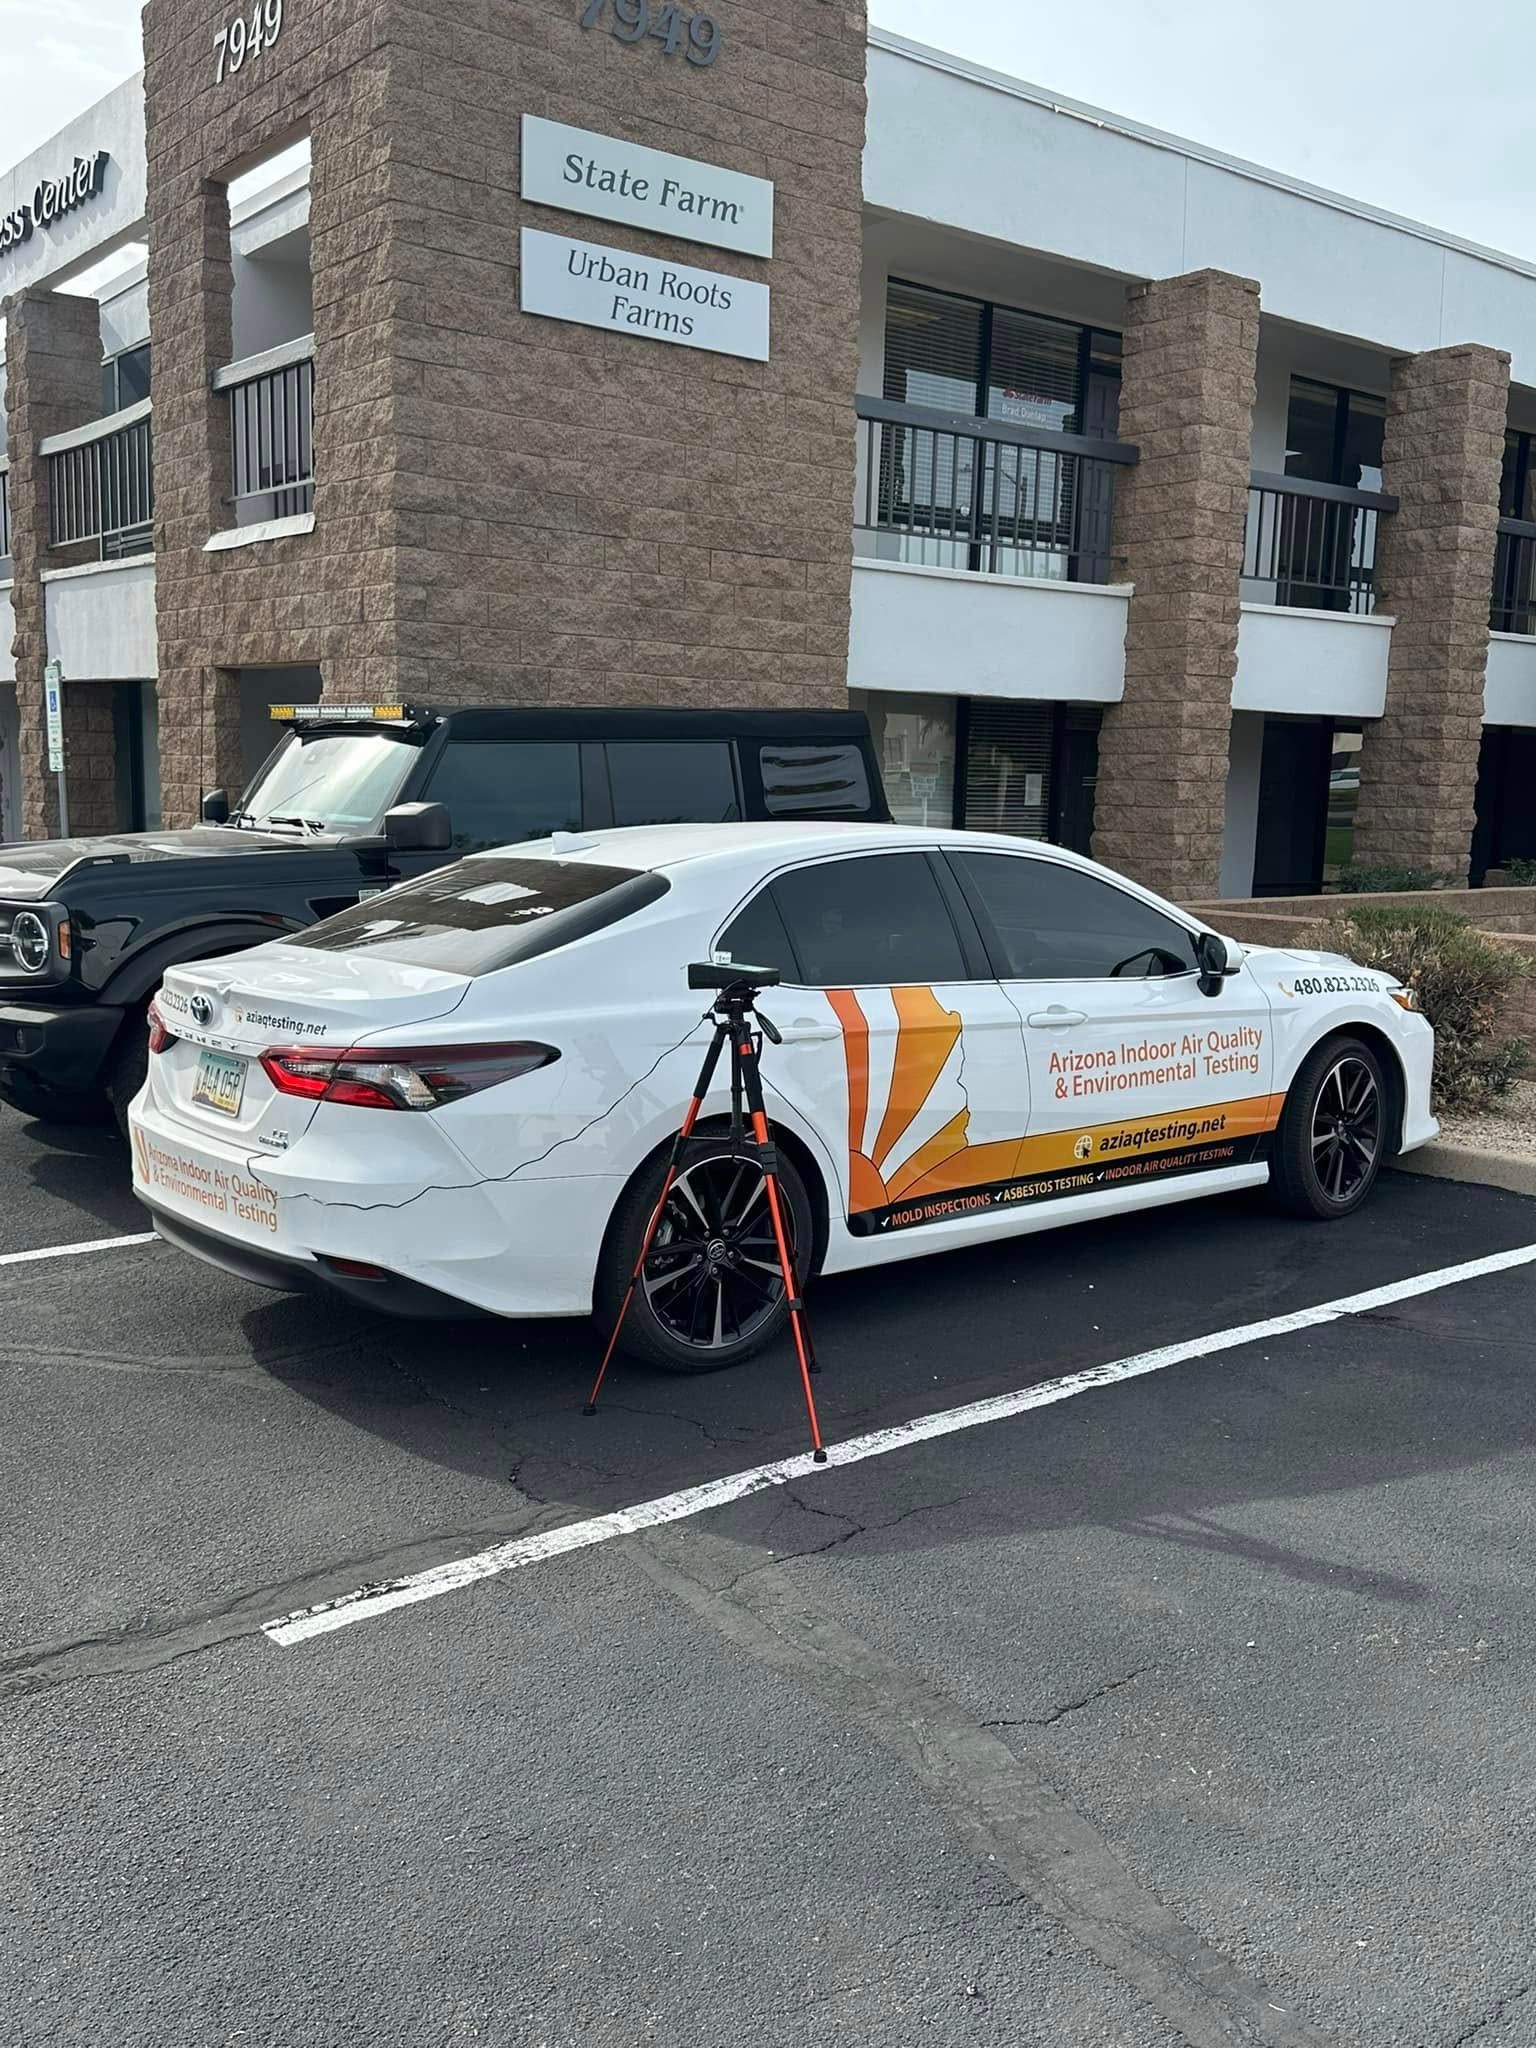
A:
(1521, 872)
(1461, 979)
(1382, 881)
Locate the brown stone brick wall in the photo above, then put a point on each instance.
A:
(509, 508)
(1190, 348)
(90, 758)
(52, 383)
(1434, 572)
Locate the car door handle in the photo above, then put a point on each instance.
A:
(1055, 1018)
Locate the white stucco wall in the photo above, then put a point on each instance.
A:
(1019, 164)
(125, 315)
(952, 633)
(115, 124)
(1311, 664)
(101, 621)
(1509, 687)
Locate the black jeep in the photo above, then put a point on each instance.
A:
(353, 799)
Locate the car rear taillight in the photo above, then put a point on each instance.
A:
(399, 1077)
(160, 1033)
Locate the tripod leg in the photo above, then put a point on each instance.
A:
(690, 1118)
(799, 1328)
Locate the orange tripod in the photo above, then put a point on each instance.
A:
(736, 992)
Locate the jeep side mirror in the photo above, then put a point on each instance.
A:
(214, 809)
(418, 828)
(1216, 961)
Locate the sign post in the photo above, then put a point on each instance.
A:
(53, 688)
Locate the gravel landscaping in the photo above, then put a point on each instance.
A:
(1510, 1126)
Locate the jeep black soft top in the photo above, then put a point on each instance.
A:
(353, 799)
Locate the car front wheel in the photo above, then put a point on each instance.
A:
(711, 1292)
(1333, 1132)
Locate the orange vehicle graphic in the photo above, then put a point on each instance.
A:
(909, 1118)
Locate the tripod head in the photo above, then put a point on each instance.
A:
(737, 988)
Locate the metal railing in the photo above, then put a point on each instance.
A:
(5, 524)
(271, 421)
(949, 491)
(101, 484)
(1514, 578)
(1312, 545)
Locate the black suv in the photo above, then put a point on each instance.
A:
(353, 799)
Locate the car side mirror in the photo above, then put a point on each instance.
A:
(1216, 960)
(418, 828)
(214, 809)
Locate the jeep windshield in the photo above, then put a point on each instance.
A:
(327, 782)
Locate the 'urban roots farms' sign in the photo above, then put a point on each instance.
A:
(647, 295)
(645, 188)
(52, 198)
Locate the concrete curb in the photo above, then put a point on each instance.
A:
(1515, 1171)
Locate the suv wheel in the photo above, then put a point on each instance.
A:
(129, 1067)
(51, 1105)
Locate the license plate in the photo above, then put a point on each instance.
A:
(220, 1083)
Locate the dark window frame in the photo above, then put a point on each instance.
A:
(112, 365)
(1085, 330)
(1343, 394)
(996, 946)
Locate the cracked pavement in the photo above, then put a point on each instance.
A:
(1193, 1710)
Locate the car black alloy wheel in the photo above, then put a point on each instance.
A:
(712, 1277)
(1346, 1129)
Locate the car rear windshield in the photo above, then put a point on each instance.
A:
(486, 913)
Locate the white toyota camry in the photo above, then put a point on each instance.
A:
(463, 1092)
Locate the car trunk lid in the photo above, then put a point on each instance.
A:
(225, 1014)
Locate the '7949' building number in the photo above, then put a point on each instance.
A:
(246, 37)
(697, 36)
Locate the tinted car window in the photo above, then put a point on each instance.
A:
(667, 782)
(487, 913)
(879, 919)
(810, 781)
(500, 791)
(1057, 924)
(756, 937)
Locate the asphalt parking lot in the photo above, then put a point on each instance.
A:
(1194, 1708)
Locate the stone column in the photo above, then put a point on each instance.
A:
(191, 295)
(53, 383)
(1190, 349)
(1434, 575)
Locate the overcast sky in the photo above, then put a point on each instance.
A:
(1414, 105)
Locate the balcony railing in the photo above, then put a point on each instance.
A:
(5, 525)
(271, 422)
(101, 484)
(1514, 578)
(952, 492)
(1312, 545)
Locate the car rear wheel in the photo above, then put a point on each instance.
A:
(1333, 1132)
(711, 1293)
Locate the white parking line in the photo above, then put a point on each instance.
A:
(69, 1251)
(515, 1555)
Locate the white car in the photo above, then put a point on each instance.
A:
(462, 1093)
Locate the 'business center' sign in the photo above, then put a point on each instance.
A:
(53, 198)
(645, 188)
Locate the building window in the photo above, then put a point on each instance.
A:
(956, 354)
(1334, 436)
(914, 742)
(125, 379)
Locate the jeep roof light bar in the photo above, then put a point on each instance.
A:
(350, 714)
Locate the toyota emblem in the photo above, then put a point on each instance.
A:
(202, 1011)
